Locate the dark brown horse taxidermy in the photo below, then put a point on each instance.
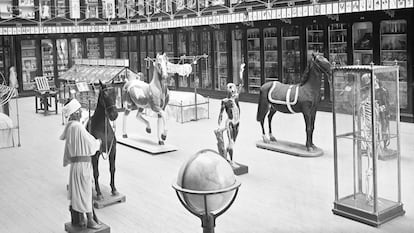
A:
(99, 126)
(303, 97)
(154, 95)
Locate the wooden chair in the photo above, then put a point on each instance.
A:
(45, 94)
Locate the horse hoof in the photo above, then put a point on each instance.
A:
(161, 143)
(148, 130)
(124, 135)
(99, 197)
(115, 193)
(163, 137)
(273, 139)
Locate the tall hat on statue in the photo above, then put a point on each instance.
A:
(71, 107)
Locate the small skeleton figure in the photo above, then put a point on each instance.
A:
(232, 123)
(365, 110)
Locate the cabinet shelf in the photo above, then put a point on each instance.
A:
(393, 34)
(270, 37)
(310, 42)
(252, 85)
(338, 42)
(290, 37)
(396, 50)
(320, 31)
(252, 77)
(363, 51)
(337, 30)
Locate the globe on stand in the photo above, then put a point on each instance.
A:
(206, 186)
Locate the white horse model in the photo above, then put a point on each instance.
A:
(141, 95)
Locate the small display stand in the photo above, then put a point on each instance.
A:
(140, 142)
(238, 168)
(290, 148)
(108, 198)
(72, 229)
(367, 162)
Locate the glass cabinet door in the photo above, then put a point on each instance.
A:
(6, 9)
(207, 65)
(44, 9)
(124, 47)
(291, 55)
(110, 50)
(271, 49)
(93, 48)
(338, 43)
(27, 9)
(108, 9)
(91, 9)
(47, 48)
(168, 40)
(362, 42)
(151, 54)
(253, 60)
(220, 59)
(194, 76)
(182, 50)
(237, 55)
(76, 49)
(314, 39)
(60, 8)
(29, 64)
(394, 51)
(62, 56)
(74, 7)
(133, 54)
(143, 55)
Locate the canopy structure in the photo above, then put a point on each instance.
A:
(93, 70)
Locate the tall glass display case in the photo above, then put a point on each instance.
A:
(76, 49)
(271, 66)
(110, 48)
(291, 55)
(27, 9)
(143, 55)
(314, 39)
(220, 59)
(62, 56)
(93, 48)
(29, 64)
(6, 9)
(338, 43)
(47, 61)
(205, 68)
(362, 42)
(367, 162)
(394, 48)
(133, 54)
(253, 60)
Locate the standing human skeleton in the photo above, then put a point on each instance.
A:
(232, 123)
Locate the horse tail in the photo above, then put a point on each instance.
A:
(263, 106)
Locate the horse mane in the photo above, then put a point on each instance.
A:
(305, 75)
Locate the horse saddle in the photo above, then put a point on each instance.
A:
(284, 94)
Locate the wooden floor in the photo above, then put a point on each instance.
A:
(281, 193)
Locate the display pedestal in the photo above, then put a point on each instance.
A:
(290, 148)
(239, 169)
(144, 144)
(357, 208)
(108, 198)
(73, 229)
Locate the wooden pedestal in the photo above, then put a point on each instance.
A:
(239, 169)
(290, 148)
(73, 229)
(144, 144)
(108, 198)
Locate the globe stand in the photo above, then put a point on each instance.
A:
(208, 219)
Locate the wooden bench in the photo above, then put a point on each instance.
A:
(44, 94)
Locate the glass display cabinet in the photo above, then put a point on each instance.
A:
(394, 48)
(253, 60)
(367, 163)
(362, 42)
(338, 43)
(291, 55)
(270, 54)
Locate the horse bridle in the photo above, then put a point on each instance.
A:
(322, 70)
(106, 128)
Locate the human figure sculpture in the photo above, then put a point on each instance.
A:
(80, 146)
(231, 106)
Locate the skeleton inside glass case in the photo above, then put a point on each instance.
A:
(366, 143)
